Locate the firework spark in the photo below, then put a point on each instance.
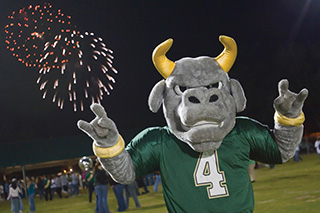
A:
(73, 67)
(29, 28)
(76, 67)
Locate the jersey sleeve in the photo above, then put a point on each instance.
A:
(263, 147)
(144, 150)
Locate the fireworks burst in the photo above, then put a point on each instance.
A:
(30, 27)
(73, 67)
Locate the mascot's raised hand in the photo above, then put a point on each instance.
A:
(288, 103)
(101, 129)
(288, 119)
(108, 145)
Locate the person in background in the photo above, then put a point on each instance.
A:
(64, 183)
(297, 156)
(131, 190)
(74, 184)
(317, 146)
(70, 185)
(90, 182)
(149, 180)
(53, 186)
(118, 190)
(14, 196)
(47, 188)
(6, 189)
(141, 184)
(158, 181)
(79, 176)
(58, 186)
(40, 187)
(83, 177)
(30, 191)
(22, 195)
(1, 192)
(101, 189)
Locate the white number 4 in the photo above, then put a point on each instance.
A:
(207, 173)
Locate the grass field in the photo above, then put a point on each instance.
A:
(291, 187)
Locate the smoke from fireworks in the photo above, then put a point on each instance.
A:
(73, 67)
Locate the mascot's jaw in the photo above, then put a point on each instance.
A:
(206, 146)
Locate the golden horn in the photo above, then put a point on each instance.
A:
(160, 60)
(227, 58)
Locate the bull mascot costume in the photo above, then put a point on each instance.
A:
(204, 150)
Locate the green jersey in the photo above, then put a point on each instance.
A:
(90, 179)
(215, 181)
(46, 183)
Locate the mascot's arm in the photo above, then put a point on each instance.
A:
(289, 118)
(108, 146)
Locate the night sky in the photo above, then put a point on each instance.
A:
(275, 40)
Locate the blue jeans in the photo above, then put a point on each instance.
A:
(149, 177)
(131, 191)
(15, 205)
(41, 193)
(31, 202)
(74, 189)
(101, 192)
(20, 206)
(158, 180)
(118, 190)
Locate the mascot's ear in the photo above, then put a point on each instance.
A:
(238, 95)
(156, 96)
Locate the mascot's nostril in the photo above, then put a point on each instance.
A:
(213, 98)
(194, 100)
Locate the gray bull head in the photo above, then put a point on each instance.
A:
(199, 100)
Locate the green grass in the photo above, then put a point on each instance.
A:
(291, 187)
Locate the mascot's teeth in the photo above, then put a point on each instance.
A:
(207, 123)
(221, 124)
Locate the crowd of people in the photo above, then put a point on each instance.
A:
(64, 185)
(97, 180)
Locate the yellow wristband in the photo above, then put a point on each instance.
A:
(285, 121)
(110, 151)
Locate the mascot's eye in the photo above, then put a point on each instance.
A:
(180, 89)
(217, 85)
